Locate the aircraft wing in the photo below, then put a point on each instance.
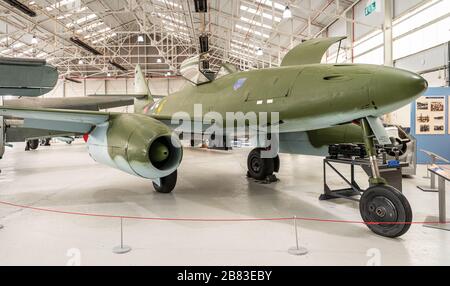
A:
(309, 52)
(26, 77)
(57, 119)
(79, 103)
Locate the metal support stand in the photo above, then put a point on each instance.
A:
(297, 250)
(121, 249)
(393, 175)
(442, 219)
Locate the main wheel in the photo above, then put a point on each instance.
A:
(167, 183)
(386, 211)
(259, 168)
(34, 144)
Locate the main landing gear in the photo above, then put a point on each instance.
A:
(385, 210)
(167, 184)
(262, 169)
(32, 144)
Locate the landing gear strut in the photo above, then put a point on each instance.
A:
(385, 209)
(262, 168)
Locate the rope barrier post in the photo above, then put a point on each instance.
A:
(297, 250)
(121, 249)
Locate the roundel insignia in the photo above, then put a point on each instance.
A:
(239, 83)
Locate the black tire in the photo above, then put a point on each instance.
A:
(167, 183)
(259, 168)
(34, 144)
(276, 164)
(386, 205)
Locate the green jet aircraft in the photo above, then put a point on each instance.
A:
(309, 102)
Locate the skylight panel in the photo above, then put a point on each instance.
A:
(5, 51)
(18, 45)
(170, 18)
(98, 33)
(257, 33)
(82, 20)
(243, 44)
(254, 22)
(260, 13)
(70, 14)
(89, 27)
(59, 4)
(170, 3)
(104, 38)
(174, 25)
(269, 3)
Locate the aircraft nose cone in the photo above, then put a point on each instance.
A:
(397, 87)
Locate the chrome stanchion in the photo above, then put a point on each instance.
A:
(121, 249)
(297, 250)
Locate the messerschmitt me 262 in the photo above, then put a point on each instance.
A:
(305, 94)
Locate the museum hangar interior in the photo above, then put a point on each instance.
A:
(116, 144)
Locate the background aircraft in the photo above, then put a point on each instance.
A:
(29, 78)
(306, 94)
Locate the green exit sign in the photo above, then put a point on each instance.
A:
(369, 9)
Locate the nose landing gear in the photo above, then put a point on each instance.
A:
(385, 210)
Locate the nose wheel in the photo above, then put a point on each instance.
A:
(386, 211)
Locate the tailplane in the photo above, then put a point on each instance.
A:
(142, 95)
(141, 89)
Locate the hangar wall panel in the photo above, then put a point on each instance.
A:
(116, 86)
(401, 6)
(425, 60)
(72, 89)
(94, 87)
(58, 90)
(375, 19)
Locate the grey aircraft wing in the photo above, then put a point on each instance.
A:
(93, 103)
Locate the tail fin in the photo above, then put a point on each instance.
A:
(141, 88)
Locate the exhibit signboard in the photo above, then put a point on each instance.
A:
(430, 115)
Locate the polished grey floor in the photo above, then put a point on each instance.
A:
(211, 185)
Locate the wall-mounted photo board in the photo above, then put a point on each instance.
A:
(430, 115)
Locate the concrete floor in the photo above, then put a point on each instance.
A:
(211, 184)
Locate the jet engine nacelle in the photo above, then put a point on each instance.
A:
(136, 144)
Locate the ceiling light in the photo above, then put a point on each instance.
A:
(259, 52)
(140, 39)
(159, 61)
(80, 62)
(168, 73)
(108, 74)
(23, 8)
(287, 14)
(85, 46)
(34, 40)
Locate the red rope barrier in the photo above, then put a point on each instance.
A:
(210, 219)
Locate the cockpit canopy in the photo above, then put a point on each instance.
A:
(193, 70)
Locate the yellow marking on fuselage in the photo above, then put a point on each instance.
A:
(161, 104)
